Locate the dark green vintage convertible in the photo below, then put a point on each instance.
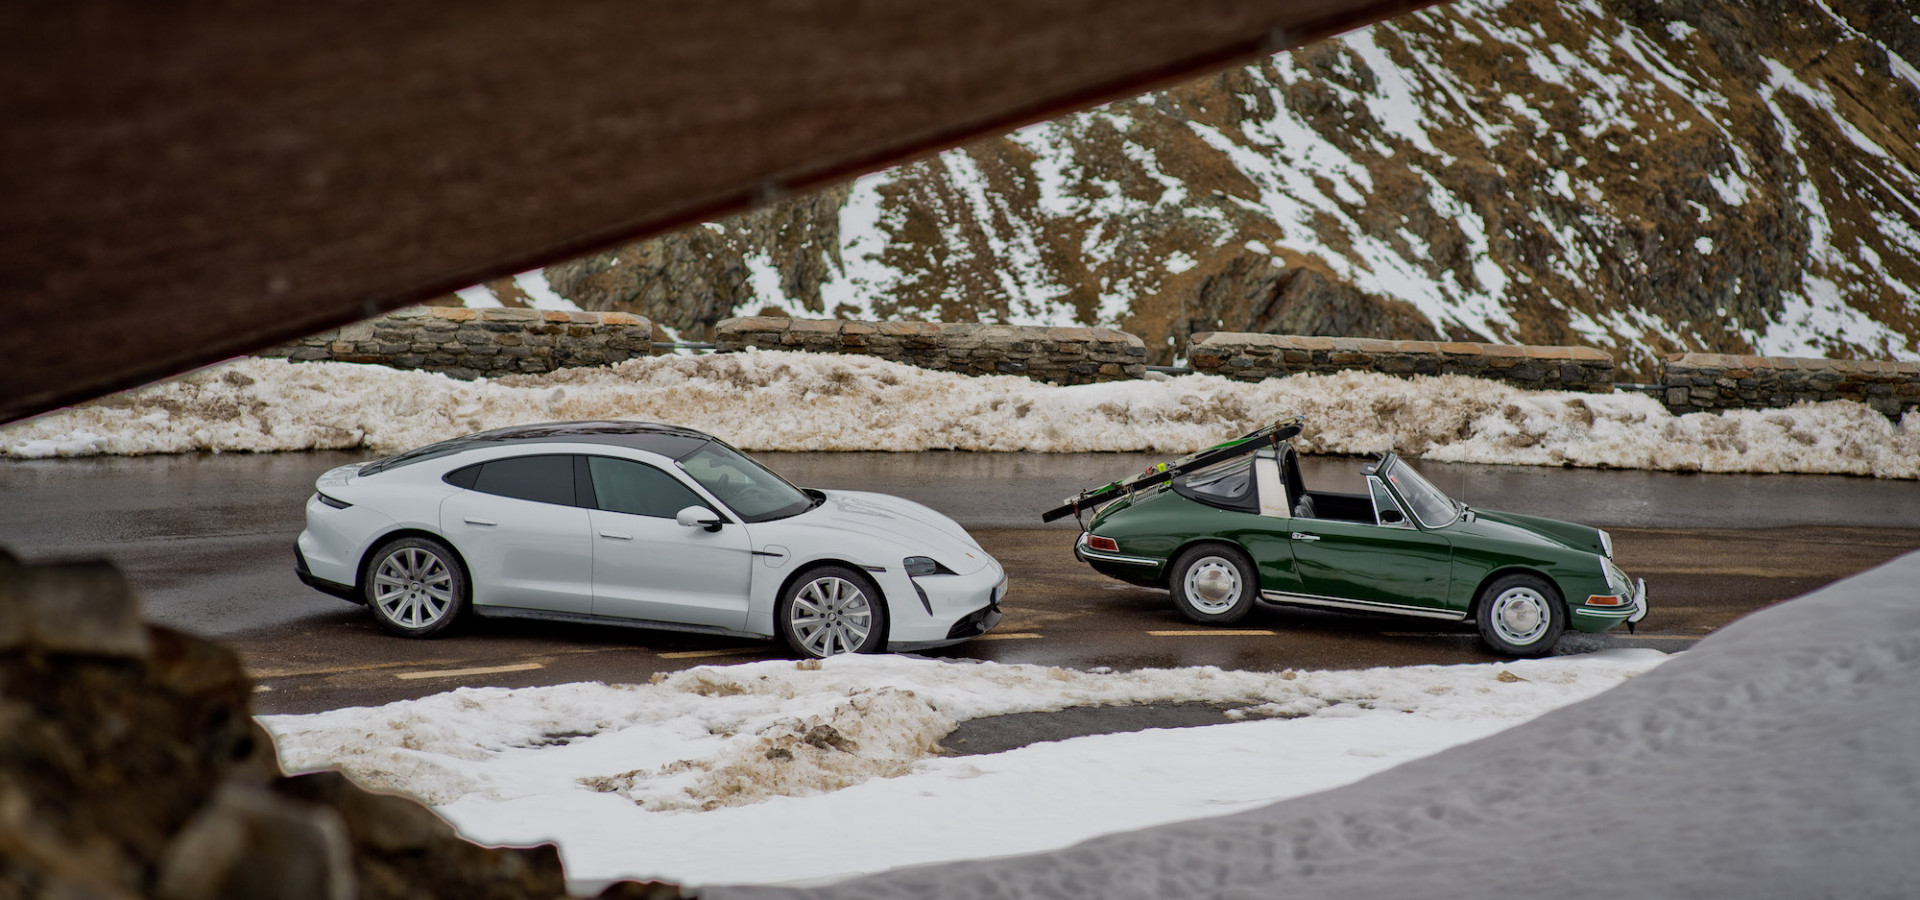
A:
(1244, 528)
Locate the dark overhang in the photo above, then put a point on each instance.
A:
(185, 182)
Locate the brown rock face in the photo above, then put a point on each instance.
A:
(1637, 176)
(130, 766)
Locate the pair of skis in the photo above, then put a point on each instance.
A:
(1167, 471)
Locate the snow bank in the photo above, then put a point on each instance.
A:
(668, 779)
(795, 401)
(1776, 759)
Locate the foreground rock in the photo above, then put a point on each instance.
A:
(130, 766)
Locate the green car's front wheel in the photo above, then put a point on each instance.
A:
(1214, 584)
(1521, 615)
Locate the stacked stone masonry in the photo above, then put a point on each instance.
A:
(1252, 357)
(469, 343)
(1709, 381)
(1073, 355)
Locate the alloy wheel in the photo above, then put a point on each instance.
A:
(413, 587)
(831, 615)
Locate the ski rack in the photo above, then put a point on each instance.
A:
(1269, 436)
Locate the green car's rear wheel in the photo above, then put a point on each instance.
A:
(1214, 584)
(1520, 615)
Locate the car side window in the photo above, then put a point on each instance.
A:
(1386, 510)
(625, 486)
(542, 479)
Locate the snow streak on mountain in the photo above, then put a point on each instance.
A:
(1636, 175)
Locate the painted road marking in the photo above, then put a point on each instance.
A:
(330, 670)
(458, 673)
(1216, 632)
(1008, 636)
(699, 654)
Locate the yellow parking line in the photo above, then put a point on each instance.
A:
(698, 654)
(1008, 636)
(1215, 632)
(457, 673)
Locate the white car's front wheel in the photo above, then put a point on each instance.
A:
(832, 610)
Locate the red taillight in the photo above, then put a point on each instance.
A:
(1606, 600)
(1095, 542)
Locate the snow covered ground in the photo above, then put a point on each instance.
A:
(798, 401)
(1776, 759)
(806, 772)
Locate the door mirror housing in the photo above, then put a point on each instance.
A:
(700, 517)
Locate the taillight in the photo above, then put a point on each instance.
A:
(1095, 542)
(1606, 600)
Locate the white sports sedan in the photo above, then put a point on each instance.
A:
(640, 524)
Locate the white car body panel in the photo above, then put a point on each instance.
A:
(520, 553)
(658, 569)
(547, 559)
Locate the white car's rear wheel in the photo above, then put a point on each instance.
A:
(832, 610)
(415, 587)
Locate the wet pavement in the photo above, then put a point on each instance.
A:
(207, 539)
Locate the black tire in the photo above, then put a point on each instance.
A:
(1214, 584)
(416, 587)
(1520, 615)
(832, 610)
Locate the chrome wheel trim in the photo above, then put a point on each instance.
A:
(1213, 585)
(1521, 616)
(830, 616)
(413, 587)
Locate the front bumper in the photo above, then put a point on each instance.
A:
(1603, 618)
(944, 609)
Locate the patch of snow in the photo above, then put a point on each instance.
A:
(1774, 759)
(662, 780)
(477, 296)
(776, 400)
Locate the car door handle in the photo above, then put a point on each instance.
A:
(1305, 537)
(616, 535)
(474, 521)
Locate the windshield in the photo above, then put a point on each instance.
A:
(1432, 507)
(751, 490)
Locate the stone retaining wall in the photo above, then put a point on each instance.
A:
(1709, 381)
(1074, 355)
(469, 343)
(1252, 357)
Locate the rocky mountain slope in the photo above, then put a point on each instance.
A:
(1636, 175)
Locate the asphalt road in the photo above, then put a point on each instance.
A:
(207, 540)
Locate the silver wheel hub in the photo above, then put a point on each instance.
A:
(1213, 585)
(413, 587)
(1520, 615)
(831, 615)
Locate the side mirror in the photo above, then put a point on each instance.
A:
(699, 517)
(1391, 517)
